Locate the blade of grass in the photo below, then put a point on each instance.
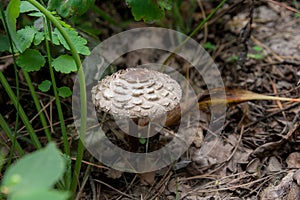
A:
(10, 135)
(57, 99)
(203, 22)
(10, 28)
(21, 112)
(37, 105)
(81, 79)
(84, 180)
(15, 99)
(58, 104)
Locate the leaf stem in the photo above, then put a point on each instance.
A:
(37, 105)
(57, 100)
(11, 33)
(21, 112)
(83, 106)
(10, 135)
(15, 99)
(58, 104)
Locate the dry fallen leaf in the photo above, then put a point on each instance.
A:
(148, 178)
(178, 187)
(274, 165)
(254, 167)
(198, 139)
(268, 148)
(237, 96)
(293, 160)
(114, 174)
(296, 176)
(280, 191)
(211, 153)
(233, 96)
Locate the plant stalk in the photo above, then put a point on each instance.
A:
(37, 105)
(10, 135)
(21, 112)
(81, 78)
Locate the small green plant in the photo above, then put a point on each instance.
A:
(143, 140)
(258, 55)
(46, 40)
(209, 46)
(155, 11)
(232, 59)
(34, 175)
(29, 41)
(70, 8)
(149, 10)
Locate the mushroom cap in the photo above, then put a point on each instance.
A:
(136, 93)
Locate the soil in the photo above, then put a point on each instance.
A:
(257, 155)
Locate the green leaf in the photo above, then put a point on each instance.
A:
(78, 41)
(31, 60)
(142, 141)
(11, 15)
(209, 46)
(25, 6)
(232, 58)
(166, 4)
(55, 39)
(37, 171)
(64, 64)
(54, 5)
(45, 86)
(64, 92)
(64, 24)
(257, 48)
(36, 14)
(38, 38)
(40, 194)
(70, 7)
(147, 10)
(25, 37)
(4, 43)
(255, 56)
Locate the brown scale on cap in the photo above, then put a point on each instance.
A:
(136, 93)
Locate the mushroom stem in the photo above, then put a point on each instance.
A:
(133, 134)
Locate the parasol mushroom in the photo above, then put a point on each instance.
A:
(138, 95)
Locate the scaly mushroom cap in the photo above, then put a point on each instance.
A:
(136, 93)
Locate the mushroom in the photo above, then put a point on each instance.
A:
(138, 95)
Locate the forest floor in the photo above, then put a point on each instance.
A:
(258, 151)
